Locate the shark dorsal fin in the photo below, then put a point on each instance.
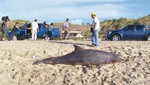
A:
(77, 47)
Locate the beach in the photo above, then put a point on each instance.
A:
(17, 57)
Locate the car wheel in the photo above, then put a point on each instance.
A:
(116, 38)
(148, 38)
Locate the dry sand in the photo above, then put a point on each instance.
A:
(16, 64)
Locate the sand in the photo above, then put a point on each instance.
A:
(16, 58)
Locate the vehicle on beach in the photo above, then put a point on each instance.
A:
(130, 32)
(24, 32)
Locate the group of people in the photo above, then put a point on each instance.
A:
(35, 27)
(95, 28)
(5, 30)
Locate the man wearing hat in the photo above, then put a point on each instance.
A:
(66, 28)
(95, 29)
(5, 30)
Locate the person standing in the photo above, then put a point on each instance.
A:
(66, 29)
(48, 34)
(50, 28)
(29, 29)
(14, 31)
(95, 29)
(5, 27)
(34, 29)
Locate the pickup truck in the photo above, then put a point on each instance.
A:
(22, 33)
(130, 32)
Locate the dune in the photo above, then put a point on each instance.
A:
(17, 57)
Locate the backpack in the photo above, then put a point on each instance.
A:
(91, 29)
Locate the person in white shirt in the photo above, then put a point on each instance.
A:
(95, 29)
(66, 28)
(34, 29)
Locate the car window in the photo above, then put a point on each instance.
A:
(147, 27)
(139, 28)
(129, 28)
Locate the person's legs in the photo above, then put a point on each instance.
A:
(67, 34)
(28, 32)
(33, 33)
(50, 35)
(2, 35)
(93, 38)
(14, 35)
(7, 36)
(96, 38)
(64, 34)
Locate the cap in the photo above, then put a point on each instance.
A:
(93, 13)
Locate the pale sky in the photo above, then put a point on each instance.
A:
(78, 11)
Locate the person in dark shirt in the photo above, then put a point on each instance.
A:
(28, 29)
(48, 34)
(14, 31)
(50, 28)
(5, 28)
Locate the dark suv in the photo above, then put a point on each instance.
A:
(130, 32)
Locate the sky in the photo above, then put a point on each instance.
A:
(78, 11)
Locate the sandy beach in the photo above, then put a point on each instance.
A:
(17, 57)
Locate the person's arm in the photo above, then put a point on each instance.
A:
(17, 27)
(37, 27)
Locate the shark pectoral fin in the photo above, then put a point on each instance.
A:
(37, 62)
